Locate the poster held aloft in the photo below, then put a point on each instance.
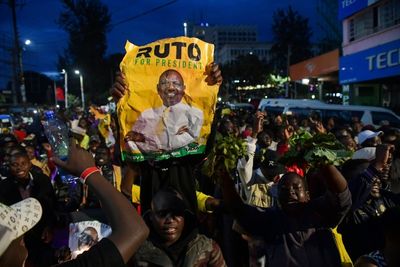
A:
(168, 109)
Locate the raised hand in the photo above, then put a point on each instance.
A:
(288, 132)
(134, 136)
(214, 75)
(78, 159)
(46, 146)
(319, 127)
(258, 123)
(182, 130)
(119, 87)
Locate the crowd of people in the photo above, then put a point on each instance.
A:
(169, 213)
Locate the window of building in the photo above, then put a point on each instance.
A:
(361, 25)
(389, 14)
(375, 19)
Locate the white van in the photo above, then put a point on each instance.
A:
(368, 115)
(240, 106)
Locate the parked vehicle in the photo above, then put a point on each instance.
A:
(6, 124)
(368, 115)
(240, 106)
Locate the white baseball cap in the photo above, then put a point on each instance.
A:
(17, 219)
(367, 153)
(367, 134)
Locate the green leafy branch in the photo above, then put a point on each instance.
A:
(227, 151)
(314, 151)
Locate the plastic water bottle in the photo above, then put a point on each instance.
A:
(56, 132)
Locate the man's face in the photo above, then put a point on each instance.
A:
(20, 166)
(376, 188)
(348, 142)
(292, 190)
(265, 140)
(102, 157)
(171, 88)
(93, 145)
(168, 225)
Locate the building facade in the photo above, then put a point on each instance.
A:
(369, 68)
(230, 41)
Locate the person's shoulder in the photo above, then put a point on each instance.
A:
(6, 180)
(149, 253)
(201, 243)
(39, 176)
(7, 187)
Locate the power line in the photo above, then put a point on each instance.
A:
(144, 13)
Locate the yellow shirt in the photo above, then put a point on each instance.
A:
(85, 142)
(42, 165)
(201, 198)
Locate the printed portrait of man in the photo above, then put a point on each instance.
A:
(86, 239)
(173, 125)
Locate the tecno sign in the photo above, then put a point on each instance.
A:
(374, 63)
(384, 59)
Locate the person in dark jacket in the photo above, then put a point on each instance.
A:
(359, 228)
(24, 183)
(174, 239)
(296, 233)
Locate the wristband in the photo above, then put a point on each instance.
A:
(86, 173)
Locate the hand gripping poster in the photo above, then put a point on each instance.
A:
(168, 109)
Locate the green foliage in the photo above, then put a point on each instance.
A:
(87, 23)
(227, 150)
(313, 151)
(74, 101)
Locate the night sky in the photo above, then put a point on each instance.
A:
(37, 22)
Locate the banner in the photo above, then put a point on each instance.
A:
(60, 94)
(169, 108)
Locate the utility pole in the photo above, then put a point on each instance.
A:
(289, 52)
(17, 58)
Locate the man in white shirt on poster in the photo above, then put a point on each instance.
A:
(173, 125)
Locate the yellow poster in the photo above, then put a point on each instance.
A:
(169, 107)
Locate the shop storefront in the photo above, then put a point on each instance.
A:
(372, 76)
(317, 78)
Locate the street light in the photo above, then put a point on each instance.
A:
(65, 87)
(185, 28)
(82, 92)
(21, 71)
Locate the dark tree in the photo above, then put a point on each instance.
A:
(87, 23)
(291, 35)
(39, 88)
(329, 27)
(247, 70)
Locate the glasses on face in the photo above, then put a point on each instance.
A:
(175, 84)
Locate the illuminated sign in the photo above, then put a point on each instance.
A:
(377, 62)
